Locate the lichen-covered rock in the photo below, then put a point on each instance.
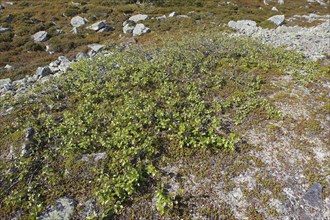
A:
(78, 21)
(62, 210)
(43, 71)
(81, 55)
(277, 19)
(3, 30)
(140, 29)
(40, 36)
(96, 47)
(97, 26)
(138, 17)
(5, 83)
(128, 28)
(64, 63)
(173, 14)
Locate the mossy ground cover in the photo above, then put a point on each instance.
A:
(146, 108)
(27, 17)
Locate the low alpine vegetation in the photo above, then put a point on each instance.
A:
(136, 107)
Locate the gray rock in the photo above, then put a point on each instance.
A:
(90, 209)
(62, 210)
(182, 16)
(173, 14)
(10, 3)
(26, 150)
(241, 24)
(128, 28)
(29, 134)
(94, 157)
(75, 30)
(64, 63)
(138, 17)
(78, 21)
(313, 197)
(43, 71)
(274, 9)
(40, 36)
(54, 66)
(97, 26)
(106, 29)
(321, 2)
(5, 83)
(2, 7)
(277, 19)
(3, 30)
(27, 146)
(140, 29)
(9, 67)
(161, 18)
(92, 53)
(81, 55)
(96, 47)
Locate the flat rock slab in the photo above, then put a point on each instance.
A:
(3, 30)
(40, 36)
(138, 17)
(4, 82)
(241, 24)
(63, 209)
(97, 26)
(96, 47)
(140, 29)
(313, 197)
(43, 71)
(277, 19)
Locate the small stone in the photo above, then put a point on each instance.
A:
(128, 28)
(9, 67)
(81, 55)
(3, 30)
(5, 83)
(277, 19)
(26, 150)
(29, 134)
(161, 18)
(10, 3)
(106, 29)
(40, 36)
(96, 47)
(43, 71)
(64, 65)
(274, 9)
(173, 14)
(97, 26)
(2, 7)
(90, 209)
(95, 157)
(241, 24)
(75, 30)
(140, 29)
(313, 197)
(138, 17)
(182, 16)
(78, 21)
(63, 210)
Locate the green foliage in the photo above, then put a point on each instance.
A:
(138, 106)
